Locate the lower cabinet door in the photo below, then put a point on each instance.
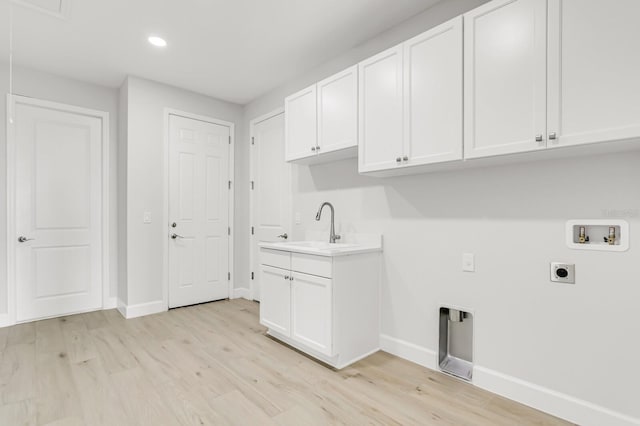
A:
(312, 312)
(275, 299)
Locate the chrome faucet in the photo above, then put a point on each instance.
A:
(332, 235)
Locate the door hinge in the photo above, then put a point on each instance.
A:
(252, 276)
(229, 276)
(253, 140)
(229, 230)
(252, 230)
(253, 186)
(229, 184)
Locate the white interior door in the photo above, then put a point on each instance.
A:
(58, 212)
(271, 193)
(198, 211)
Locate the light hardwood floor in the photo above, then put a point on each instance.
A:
(213, 364)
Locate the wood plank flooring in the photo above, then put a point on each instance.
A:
(213, 364)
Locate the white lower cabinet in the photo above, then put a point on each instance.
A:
(275, 302)
(311, 311)
(335, 317)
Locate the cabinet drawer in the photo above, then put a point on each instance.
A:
(310, 264)
(277, 258)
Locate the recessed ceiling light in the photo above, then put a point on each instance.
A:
(157, 41)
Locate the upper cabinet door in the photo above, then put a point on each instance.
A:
(505, 77)
(380, 107)
(594, 71)
(300, 124)
(433, 95)
(338, 111)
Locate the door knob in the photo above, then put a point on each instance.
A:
(174, 236)
(283, 236)
(22, 239)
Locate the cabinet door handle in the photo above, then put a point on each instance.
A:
(317, 147)
(313, 148)
(291, 278)
(553, 136)
(286, 277)
(405, 158)
(538, 138)
(398, 160)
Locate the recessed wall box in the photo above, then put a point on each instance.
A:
(598, 234)
(455, 354)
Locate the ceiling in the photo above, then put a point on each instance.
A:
(235, 50)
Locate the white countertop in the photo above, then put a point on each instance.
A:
(349, 245)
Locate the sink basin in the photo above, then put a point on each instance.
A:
(322, 245)
(324, 248)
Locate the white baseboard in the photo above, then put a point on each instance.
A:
(5, 320)
(242, 292)
(555, 403)
(544, 399)
(409, 351)
(142, 309)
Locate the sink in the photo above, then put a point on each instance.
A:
(324, 248)
(322, 245)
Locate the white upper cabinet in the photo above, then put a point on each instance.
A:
(338, 111)
(594, 71)
(505, 77)
(411, 103)
(433, 95)
(301, 124)
(323, 119)
(380, 128)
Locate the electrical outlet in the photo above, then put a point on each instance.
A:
(563, 273)
(468, 262)
(146, 217)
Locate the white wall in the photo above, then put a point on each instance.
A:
(58, 89)
(123, 133)
(146, 103)
(580, 340)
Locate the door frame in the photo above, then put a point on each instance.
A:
(252, 159)
(108, 301)
(168, 112)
